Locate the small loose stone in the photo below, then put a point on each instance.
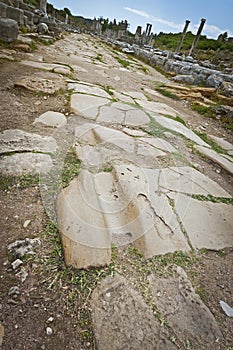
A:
(49, 331)
(15, 264)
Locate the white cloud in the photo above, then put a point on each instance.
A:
(154, 19)
(212, 31)
(137, 12)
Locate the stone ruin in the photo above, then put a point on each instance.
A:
(15, 14)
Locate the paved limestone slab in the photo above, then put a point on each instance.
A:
(180, 128)
(158, 107)
(86, 240)
(62, 70)
(187, 315)
(97, 156)
(136, 117)
(88, 89)
(208, 225)
(227, 156)
(51, 118)
(111, 115)
(14, 140)
(85, 133)
(146, 150)
(25, 163)
(190, 181)
(222, 142)
(123, 106)
(86, 105)
(118, 207)
(122, 97)
(46, 66)
(152, 92)
(79, 69)
(103, 135)
(160, 144)
(217, 158)
(136, 95)
(122, 319)
(134, 132)
(37, 84)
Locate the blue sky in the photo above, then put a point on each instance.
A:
(164, 15)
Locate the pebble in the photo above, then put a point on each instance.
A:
(22, 275)
(16, 263)
(49, 331)
(26, 223)
(50, 319)
(14, 290)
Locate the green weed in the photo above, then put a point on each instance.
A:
(99, 58)
(123, 62)
(21, 182)
(212, 199)
(213, 144)
(71, 167)
(203, 110)
(167, 93)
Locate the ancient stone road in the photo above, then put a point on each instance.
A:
(136, 186)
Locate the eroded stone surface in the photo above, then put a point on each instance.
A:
(51, 118)
(180, 128)
(25, 163)
(121, 203)
(187, 315)
(136, 117)
(86, 105)
(88, 89)
(122, 320)
(57, 68)
(37, 84)
(14, 140)
(190, 181)
(158, 107)
(208, 225)
(222, 142)
(122, 97)
(217, 158)
(81, 221)
(111, 115)
(111, 144)
(160, 144)
(104, 110)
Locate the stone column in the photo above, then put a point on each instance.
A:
(195, 41)
(54, 16)
(66, 20)
(43, 6)
(183, 36)
(148, 29)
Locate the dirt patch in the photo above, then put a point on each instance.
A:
(19, 107)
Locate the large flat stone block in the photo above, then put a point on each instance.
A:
(15, 14)
(3, 8)
(8, 30)
(85, 237)
(122, 319)
(187, 315)
(208, 225)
